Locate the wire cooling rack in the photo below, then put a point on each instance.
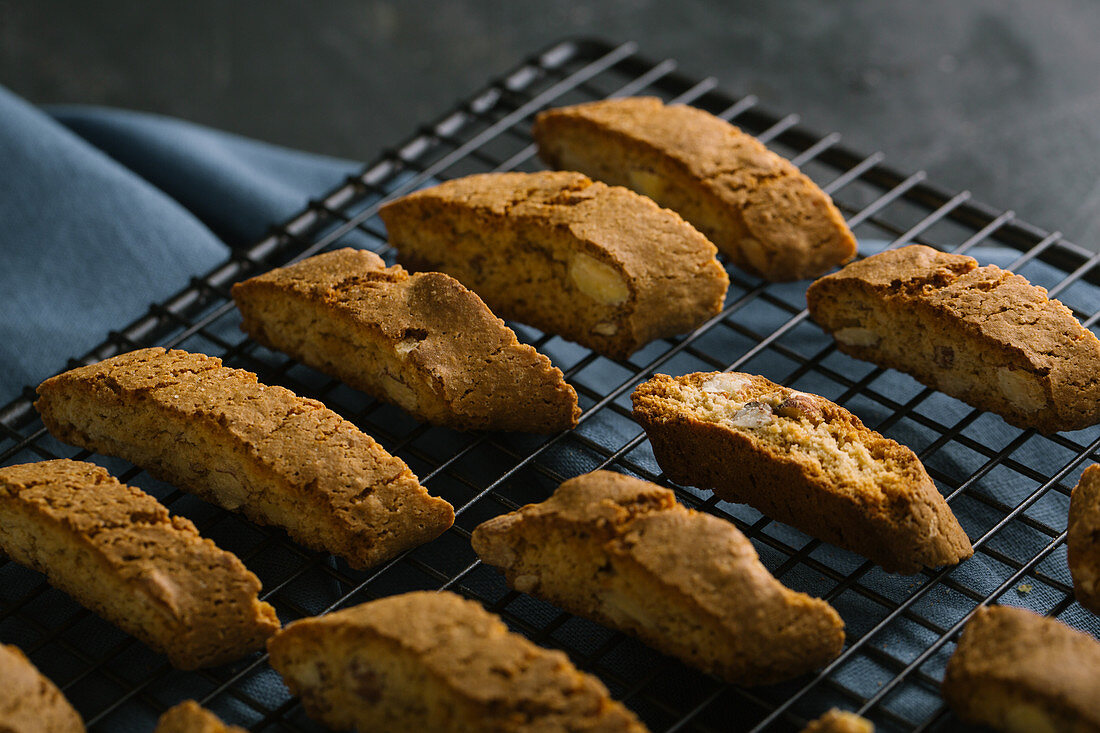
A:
(1009, 487)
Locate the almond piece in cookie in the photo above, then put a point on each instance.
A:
(622, 552)
(422, 342)
(116, 550)
(428, 661)
(1083, 539)
(1016, 671)
(262, 450)
(803, 460)
(29, 702)
(981, 334)
(190, 717)
(757, 207)
(597, 264)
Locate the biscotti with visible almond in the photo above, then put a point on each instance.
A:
(761, 211)
(1014, 670)
(1083, 539)
(980, 334)
(423, 342)
(190, 717)
(597, 264)
(428, 661)
(280, 459)
(839, 721)
(622, 552)
(117, 551)
(803, 460)
(29, 702)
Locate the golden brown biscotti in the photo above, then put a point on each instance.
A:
(1083, 539)
(190, 717)
(839, 721)
(597, 264)
(981, 334)
(422, 342)
(1014, 670)
(436, 662)
(622, 552)
(761, 211)
(29, 702)
(261, 450)
(803, 460)
(117, 551)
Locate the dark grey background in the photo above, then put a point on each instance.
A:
(1002, 98)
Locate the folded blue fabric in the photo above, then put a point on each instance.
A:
(103, 212)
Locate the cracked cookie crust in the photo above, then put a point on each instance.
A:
(802, 460)
(280, 459)
(757, 207)
(622, 552)
(190, 717)
(423, 342)
(596, 264)
(981, 334)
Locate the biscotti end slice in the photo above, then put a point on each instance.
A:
(622, 552)
(980, 334)
(436, 662)
(261, 450)
(1083, 539)
(190, 717)
(840, 721)
(423, 342)
(596, 264)
(116, 550)
(1014, 670)
(761, 211)
(29, 702)
(802, 460)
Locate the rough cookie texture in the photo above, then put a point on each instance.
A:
(760, 210)
(597, 264)
(436, 662)
(117, 551)
(249, 447)
(1020, 672)
(1083, 539)
(622, 552)
(190, 717)
(803, 460)
(981, 334)
(423, 342)
(30, 703)
(839, 721)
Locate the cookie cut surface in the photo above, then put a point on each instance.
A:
(436, 662)
(757, 207)
(218, 432)
(29, 702)
(596, 264)
(981, 334)
(423, 342)
(190, 717)
(802, 460)
(622, 552)
(1083, 539)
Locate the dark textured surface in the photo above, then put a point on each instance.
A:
(1001, 98)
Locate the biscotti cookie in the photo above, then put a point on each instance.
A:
(429, 661)
(981, 334)
(622, 552)
(261, 450)
(1083, 539)
(1014, 670)
(839, 721)
(803, 460)
(30, 703)
(190, 717)
(597, 264)
(423, 342)
(760, 210)
(117, 551)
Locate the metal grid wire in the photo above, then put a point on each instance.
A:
(1011, 486)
